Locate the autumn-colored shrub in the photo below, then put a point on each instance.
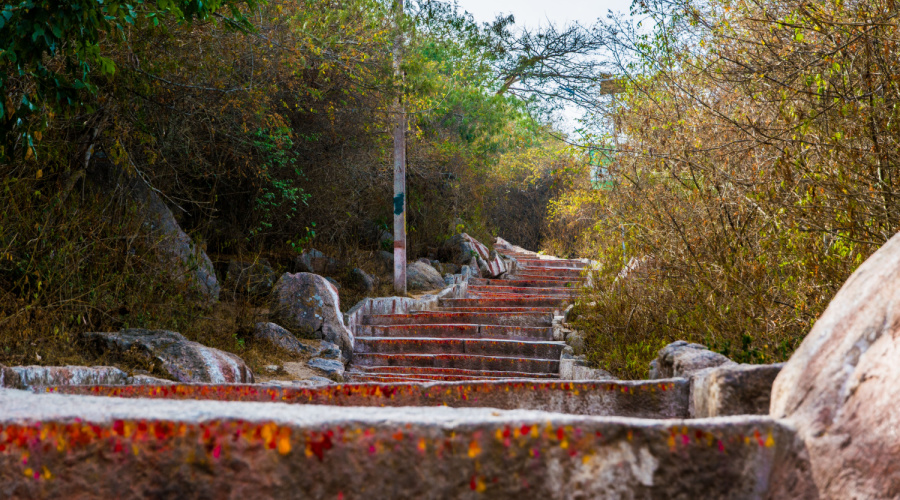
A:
(755, 168)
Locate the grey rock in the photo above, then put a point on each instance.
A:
(329, 366)
(572, 367)
(272, 368)
(328, 351)
(250, 278)
(840, 390)
(575, 339)
(183, 260)
(421, 276)
(681, 359)
(733, 390)
(445, 268)
(278, 336)
(184, 360)
(319, 380)
(47, 376)
(457, 250)
(9, 378)
(309, 306)
(314, 261)
(362, 280)
(334, 282)
(148, 380)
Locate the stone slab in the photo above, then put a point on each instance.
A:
(68, 446)
(657, 399)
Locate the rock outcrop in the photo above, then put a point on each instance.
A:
(279, 337)
(682, 359)
(309, 306)
(362, 280)
(316, 262)
(840, 388)
(182, 359)
(422, 277)
(733, 390)
(457, 250)
(185, 261)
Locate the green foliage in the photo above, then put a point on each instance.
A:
(280, 197)
(50, 50)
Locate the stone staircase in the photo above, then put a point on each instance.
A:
(500, 329)
(455, 395)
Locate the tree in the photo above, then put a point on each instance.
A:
(49, 52)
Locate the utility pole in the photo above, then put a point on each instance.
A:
(399, 158)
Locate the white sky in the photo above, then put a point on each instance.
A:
(531, 13)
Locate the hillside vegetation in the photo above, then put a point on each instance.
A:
(756, 155)
(264, 127)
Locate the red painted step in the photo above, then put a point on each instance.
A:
(459, 331)
(522, 290)
(548, 271)
(447, 372)
(464, 361)
(525, 318)
(506, 310)
(510, 295)
(406, 379)
(572, 284)
(549, 263)
(506, 302)
(480, 347)
(569, 280)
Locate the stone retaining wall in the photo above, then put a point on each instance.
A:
(76, 446)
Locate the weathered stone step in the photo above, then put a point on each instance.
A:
(62, 446)
(509, 295)
(480, 347)
(523, 318)
(549, 271)
(465, 361)
(551, 263)
(528, 283)
(572, 281)
(405, 379)
(459, 331)
(500, 309)
(523, 290)
(426, 370)
(648, 399)
(505, 302)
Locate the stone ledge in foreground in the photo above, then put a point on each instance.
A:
(54, 445)
(641, 399)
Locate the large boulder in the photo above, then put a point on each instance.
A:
(683, 359)
(457, 250)
(840, 390)
(309, 306)
(362, 280)
(185, 261)
(275, 335)
(316, 262)
(182, 359)
(421, 277)
(251, 278)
